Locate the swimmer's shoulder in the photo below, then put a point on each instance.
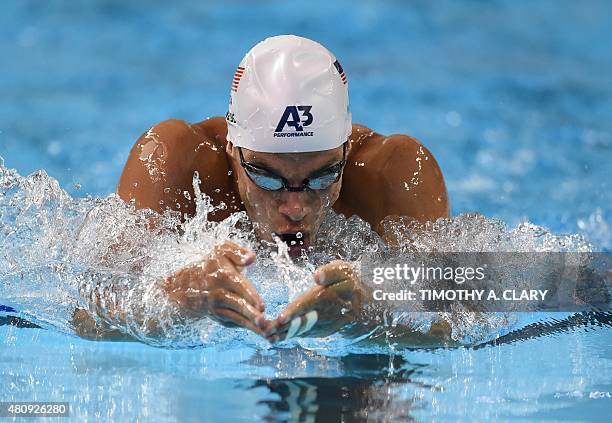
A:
(214, 129)
(393, 175)
(380, 149)
(360, 137)
(162, 163)
(364, 139)
(207, 135)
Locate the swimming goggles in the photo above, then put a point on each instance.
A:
(270, 181)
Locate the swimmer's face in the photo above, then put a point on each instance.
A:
(284, 212)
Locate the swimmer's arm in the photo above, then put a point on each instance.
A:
(150, 309)
(400, 334)
(158, 171)
(107, 303)
(87, 327)
(102, 300)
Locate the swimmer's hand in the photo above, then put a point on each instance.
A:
(215, 288)
(332, 304)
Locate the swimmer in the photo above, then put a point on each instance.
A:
(285, 152)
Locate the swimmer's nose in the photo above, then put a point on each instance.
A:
(294, 205)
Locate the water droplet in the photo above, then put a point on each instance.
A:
(299, 235)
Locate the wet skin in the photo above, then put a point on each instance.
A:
(384, 176)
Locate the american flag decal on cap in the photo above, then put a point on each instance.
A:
(340, 71)
(237, 76)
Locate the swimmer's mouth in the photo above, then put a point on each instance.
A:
(296, 241)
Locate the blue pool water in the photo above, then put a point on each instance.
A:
(513, 99)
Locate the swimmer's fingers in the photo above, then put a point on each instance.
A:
(232, 280)
(220, 299)
(230, 308)
(305, 303)
(230, 318)
(301, 305)
(298, 326)
(190, 286)
(331, 306)
(333, 272)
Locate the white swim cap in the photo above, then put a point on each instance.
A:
(289, 95)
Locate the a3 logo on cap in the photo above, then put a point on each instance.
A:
(296, 117)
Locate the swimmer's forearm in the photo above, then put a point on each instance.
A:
(375, 319)
(87, 327)
(124, 311)
(405, 336)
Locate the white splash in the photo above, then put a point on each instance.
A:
(59, 252)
